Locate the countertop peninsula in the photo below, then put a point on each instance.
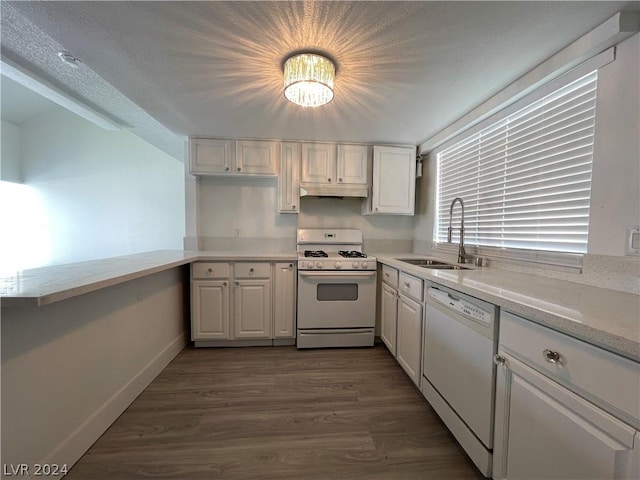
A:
(46, 285)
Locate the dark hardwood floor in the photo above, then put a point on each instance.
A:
(278, 413)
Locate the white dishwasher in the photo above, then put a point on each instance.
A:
(460, 340)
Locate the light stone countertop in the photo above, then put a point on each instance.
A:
(45, 285)
(602, 317)
(607, 318)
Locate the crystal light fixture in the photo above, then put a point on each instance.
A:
(308, 79)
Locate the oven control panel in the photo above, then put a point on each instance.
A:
(328, 264)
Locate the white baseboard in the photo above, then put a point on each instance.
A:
(78, 442)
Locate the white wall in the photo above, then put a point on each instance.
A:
(346, 213)
(10, 156)
(69, 369)
(248, 208)
(615, 194)
(615, 189)
(99, 193)
(230, 207)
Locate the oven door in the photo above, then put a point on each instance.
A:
(336, 299)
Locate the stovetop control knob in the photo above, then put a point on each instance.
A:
(356, 264)
(319, 265)
(364, 264)
(338, 265)
(310, 265)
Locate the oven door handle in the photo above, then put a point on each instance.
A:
(337, 275)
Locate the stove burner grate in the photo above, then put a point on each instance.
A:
(352, 254)
(315, 253)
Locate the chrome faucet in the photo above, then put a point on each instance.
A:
(461, 253)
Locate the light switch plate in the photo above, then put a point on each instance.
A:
(632, 239)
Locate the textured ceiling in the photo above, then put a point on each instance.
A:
(405, 70)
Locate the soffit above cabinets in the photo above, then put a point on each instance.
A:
(405, 70)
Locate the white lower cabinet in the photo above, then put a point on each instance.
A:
(284, 307)
(401, 319)
(243, 303)
(543, 429)
(409, 341)
(389, 317)
(252, 308)
(210, 310)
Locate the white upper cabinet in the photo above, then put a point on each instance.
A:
(393, 190)
(352, 163)
(211, 156)
(289, 178)
(318, 163)
(256, 157)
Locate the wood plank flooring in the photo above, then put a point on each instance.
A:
(278, 413)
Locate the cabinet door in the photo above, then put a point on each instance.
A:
(545, 431)
(256, 157)
(252, 304)
(210, 310)
(318, 163)
(209, 155)
(388, 317)
(394, 180)
(409, 341)
(352, 164)
(284, 309)
(289, 179)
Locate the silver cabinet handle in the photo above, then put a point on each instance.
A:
(293, 206)
(407, 285)
(224, 284)
(238, 169)
(209, 271)
(339, 180)
(329, 180)
(499, 360)
(376, 209)
(550, 356)
(251, 270)
(291, 266)
(236, 283)
(226, 169)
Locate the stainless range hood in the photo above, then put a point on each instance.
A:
(361, 191)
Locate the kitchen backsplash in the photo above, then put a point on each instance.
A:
(605, 271)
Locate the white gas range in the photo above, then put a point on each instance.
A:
(336, 289)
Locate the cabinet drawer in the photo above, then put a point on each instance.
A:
(390, 276)
(252, 270)
(410, 286)
(607, 379)
(210, 270)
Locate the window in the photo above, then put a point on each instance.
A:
(525, 179)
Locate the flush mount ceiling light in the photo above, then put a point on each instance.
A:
(308, 79)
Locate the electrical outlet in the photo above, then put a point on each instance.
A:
(632, 239)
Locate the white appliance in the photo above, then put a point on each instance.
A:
(336, 289)
(460, 341)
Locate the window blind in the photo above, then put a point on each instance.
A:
(526, 179)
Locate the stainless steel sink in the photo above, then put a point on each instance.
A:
(429, 263)
(422, 262)
(445, 267)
